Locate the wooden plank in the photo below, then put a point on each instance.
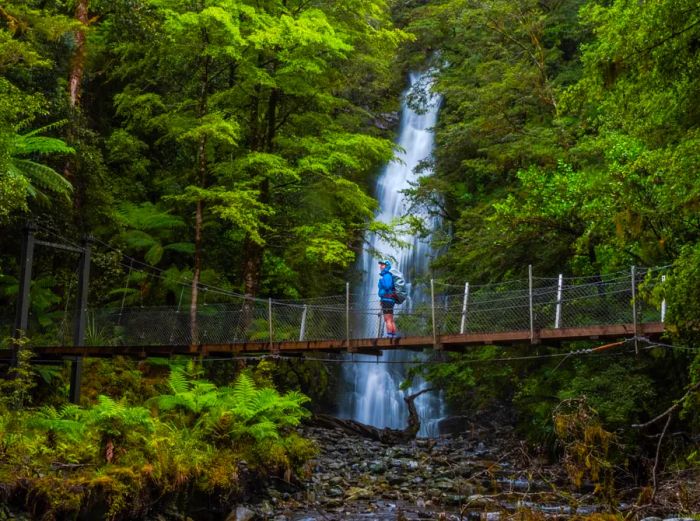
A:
(360, 345)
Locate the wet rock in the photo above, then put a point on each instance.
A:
(395, 479)
(335, 492)
(386, 120)
(377, 467)
(241, 513)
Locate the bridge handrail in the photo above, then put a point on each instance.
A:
(513, 306)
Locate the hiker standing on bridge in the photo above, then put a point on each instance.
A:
(387, 297)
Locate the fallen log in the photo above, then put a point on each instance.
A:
(385, 435)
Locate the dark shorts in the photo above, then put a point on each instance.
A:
(387, 307)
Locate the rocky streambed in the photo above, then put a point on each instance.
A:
(454, 477)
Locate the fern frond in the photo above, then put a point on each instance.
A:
(44, 176)
(147, 216)
(244, 391)
(263, 430)
(138, 239)
(67, 423)
(45, 128)
(178, 381)
(25, 145)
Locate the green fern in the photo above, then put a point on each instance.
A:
(65, 423)
(231, 413)
(23, 147)
(115, 419)
(178, 380)
(148, 228)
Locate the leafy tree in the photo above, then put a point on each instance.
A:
(502, 69)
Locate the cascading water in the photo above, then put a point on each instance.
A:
(373, 395)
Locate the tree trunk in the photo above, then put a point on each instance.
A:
(196, 275)
(77, 68)
(386, 435)
(252, 264)
(199, 209)
(75, 91)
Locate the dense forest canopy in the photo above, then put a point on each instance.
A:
(236, 143)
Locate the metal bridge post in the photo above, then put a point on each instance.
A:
(560, 290)
(302, 328)
(269, 320)
(432, 308)
(663, 302)
(463, 324)
(76, 370)
(25, 282)
(634, 307)
(532, 313)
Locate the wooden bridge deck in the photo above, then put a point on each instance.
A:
(453, 342)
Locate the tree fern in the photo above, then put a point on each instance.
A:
(148, 229)
(23, 147)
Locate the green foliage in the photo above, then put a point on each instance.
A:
(243, 411)
(683, 293)
(588, 447)
(126, 458)
(21, 175)
(16, 390)
(617, 392)
(146, 229)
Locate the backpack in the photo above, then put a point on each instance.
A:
(400, 292)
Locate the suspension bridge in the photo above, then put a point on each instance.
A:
(547, 310)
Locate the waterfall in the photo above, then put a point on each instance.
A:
(372, 389)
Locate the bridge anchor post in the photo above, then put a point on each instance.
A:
(25, 282)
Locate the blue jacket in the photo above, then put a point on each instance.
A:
(386, 284)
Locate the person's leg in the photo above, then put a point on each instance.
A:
(390, 324)
(388, 314)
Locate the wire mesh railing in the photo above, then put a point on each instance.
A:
(531, 304)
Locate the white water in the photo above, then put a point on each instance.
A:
(372, 389)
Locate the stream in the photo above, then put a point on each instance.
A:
(458, 477)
